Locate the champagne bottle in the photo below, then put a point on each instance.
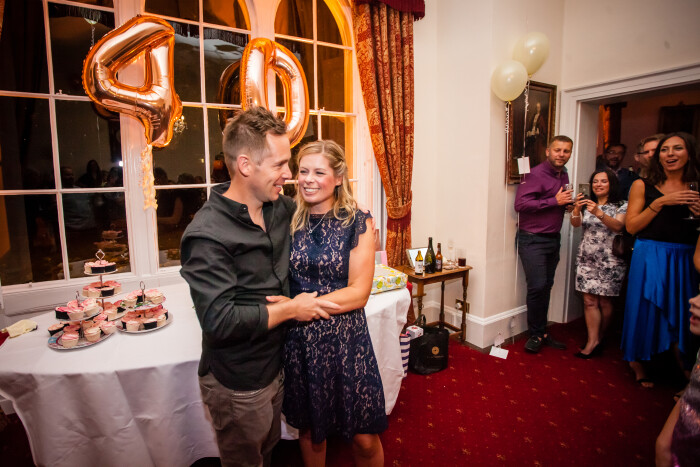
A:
(430, 257)
(438, 259)
(418, 264)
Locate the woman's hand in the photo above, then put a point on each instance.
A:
(687, 197)
(695, 207)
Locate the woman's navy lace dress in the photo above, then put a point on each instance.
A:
(332, 382)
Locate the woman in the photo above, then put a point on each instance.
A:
(661, 278)
(679, 440)
(599, 273)
(332, 382)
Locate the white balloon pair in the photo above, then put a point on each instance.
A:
(510, 77)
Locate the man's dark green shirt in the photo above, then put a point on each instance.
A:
(231, 265)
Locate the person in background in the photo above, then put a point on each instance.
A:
(541, 201)
(661, 277)
(678, 443)
(645, 150)
(332, 381)
(599, 273)
(614, 155)
(234, 253)
(92, 178)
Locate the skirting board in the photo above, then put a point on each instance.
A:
(481, 332)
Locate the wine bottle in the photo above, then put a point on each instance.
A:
(418, 264)
(438, 259)
(430, 257)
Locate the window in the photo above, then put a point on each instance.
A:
(69, 169)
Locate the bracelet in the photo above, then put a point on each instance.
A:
(653, 209)
(575, 217)
(601, 216)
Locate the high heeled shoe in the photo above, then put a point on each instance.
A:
(598, 349)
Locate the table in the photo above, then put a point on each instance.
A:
(134, 399)
(421, 280)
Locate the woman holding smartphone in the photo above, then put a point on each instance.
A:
(599, 273)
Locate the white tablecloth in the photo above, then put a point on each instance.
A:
(134, 399)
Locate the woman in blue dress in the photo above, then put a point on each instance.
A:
(332, 382)
(661, 277)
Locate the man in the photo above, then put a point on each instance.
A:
(613, 156)
(234, 254)
(541, 201)
(645, 150)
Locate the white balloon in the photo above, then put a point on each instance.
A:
(532, 50)
(508, 80)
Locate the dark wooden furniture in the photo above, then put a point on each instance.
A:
(421, 280)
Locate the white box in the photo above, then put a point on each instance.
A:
(414, 331)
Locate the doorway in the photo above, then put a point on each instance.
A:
(578, 117)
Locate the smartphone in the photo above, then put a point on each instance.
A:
(585, 189)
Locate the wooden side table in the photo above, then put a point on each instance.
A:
(421, 280)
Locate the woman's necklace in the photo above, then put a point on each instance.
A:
(319, 223)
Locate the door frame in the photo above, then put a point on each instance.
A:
(578, 118)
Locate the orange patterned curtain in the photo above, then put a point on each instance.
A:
(384, 45)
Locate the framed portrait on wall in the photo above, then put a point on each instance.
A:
(528, 134)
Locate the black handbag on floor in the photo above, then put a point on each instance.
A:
(428, 353)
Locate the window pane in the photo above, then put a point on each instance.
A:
(217, 171)
(223, 49)
(187, 84)
(176, 208)
(305, 54)
(295, 18)
(339, 129)
(326, 26)
(26, 160)
(89, 145)
(87, 216)
(182, 161)
(31, 249)
(185, 9)
(74, 30)
(225, 12)
(331, 78)
(23, 48)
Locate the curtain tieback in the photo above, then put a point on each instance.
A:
(399, 216)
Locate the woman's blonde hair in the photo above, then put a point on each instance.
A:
(344, 205)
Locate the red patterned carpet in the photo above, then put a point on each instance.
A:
(549, 409)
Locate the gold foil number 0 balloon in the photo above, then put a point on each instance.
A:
(155, 102)
(261, 55)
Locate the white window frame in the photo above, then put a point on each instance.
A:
(28, 298)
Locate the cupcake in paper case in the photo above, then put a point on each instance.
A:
(54, 328)
(62, 312)
(93, 334)
(106, 291)
(101, 317)
(69, 339)
(117, 286)
(76, 314)
(87, 324)
(72, 328)
(129, 301)
(108, 327)
(90, 292)
(161, 320)
(89, 306)
(133, 325)
(154, 296)
(149, 323)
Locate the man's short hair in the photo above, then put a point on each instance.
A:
(562, 139)
(612, 145)
(657, 137)
(246, 133)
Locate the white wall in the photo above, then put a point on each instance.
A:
(606, 40)
(459, 191)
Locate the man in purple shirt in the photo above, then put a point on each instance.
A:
(541, 202)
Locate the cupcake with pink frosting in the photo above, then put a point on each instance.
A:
(69, 340)
(154, 296)
(93, 334)
(108, 327)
